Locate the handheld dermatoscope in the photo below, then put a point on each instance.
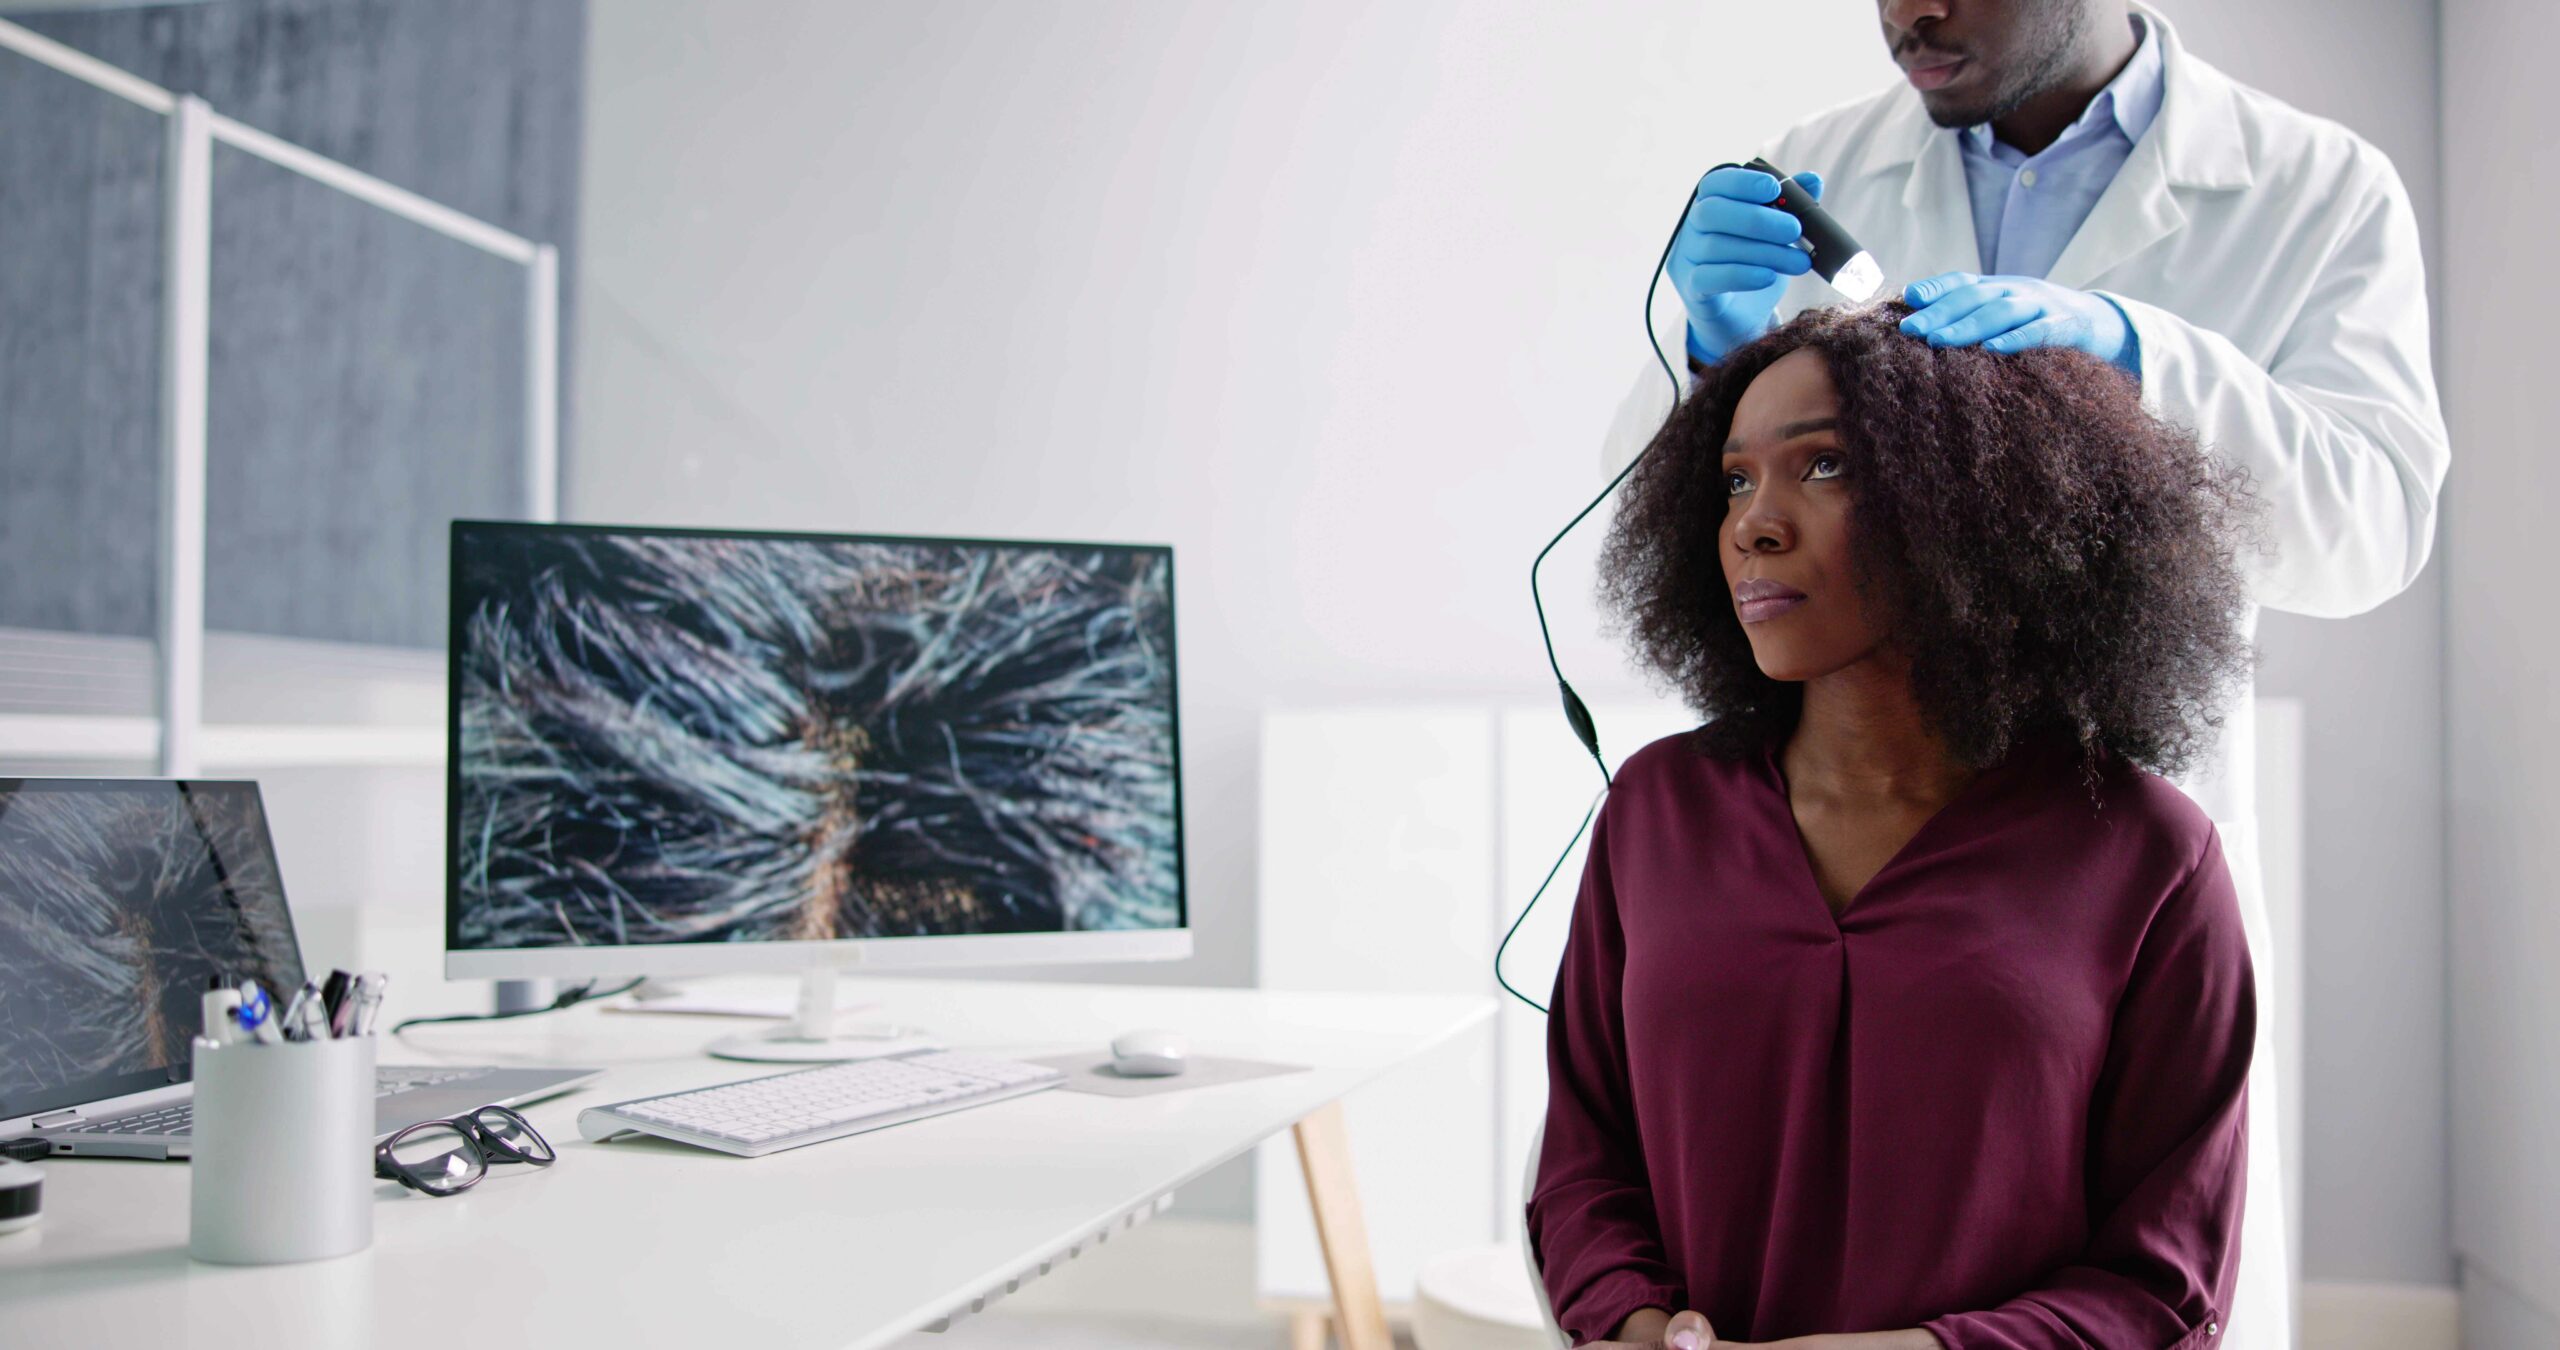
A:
(1837, 259)
(1850, 270)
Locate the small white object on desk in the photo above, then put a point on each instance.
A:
(1150, 1054)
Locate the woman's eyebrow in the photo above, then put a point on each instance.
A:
(1790, 431)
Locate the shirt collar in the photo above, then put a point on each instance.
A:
(2201, 142)
(2131, 100)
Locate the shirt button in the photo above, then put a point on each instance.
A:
(2027, 177)
(2213, 1328)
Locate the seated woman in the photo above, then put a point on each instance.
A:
(1904, 1005)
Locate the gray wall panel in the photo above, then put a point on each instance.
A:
(367, 374)
(79, 354)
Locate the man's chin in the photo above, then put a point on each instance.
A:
(1956, 112)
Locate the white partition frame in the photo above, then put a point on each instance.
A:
(186, 329)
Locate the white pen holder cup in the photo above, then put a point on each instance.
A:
(283, 1162)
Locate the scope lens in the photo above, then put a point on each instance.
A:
(1858, 278)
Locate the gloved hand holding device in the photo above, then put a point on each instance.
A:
(1735, 253)
(2012, 314)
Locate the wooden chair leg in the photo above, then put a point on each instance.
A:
(1324, 1154)
(1308, 1330)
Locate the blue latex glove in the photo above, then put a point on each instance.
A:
(1734, 256)
(2012, 314)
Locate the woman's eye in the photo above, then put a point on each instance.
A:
(1735, 484)
(1825, 466)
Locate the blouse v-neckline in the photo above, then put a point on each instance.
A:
(1811, 884)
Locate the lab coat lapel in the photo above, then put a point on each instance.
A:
(2195, 144)
(1941, 212)
(2136, 211)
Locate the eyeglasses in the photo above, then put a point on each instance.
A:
(441, 1157)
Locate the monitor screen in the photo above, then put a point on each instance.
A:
(120, 901)
(685, 737)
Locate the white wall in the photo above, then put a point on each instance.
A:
(1335, 298)
(2499, 294)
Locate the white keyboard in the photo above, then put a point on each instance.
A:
(757, 1116)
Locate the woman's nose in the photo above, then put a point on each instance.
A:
(1762, 528)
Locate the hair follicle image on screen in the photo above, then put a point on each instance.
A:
(120, 900)
(683, 737)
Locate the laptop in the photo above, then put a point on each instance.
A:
(120, 901)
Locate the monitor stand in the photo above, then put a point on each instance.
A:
(812, 1037)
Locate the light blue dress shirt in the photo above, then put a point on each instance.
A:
(2027, 207)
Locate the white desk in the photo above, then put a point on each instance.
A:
(851, 1243)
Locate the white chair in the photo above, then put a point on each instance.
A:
(1529, 1254)
(1475, 1299)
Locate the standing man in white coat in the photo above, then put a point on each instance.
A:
(2064, 173)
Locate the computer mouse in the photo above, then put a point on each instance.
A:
(1150, 1054)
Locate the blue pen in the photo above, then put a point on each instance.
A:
(258, 1015)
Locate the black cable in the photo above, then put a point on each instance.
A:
(568, 998)
(1574, 711)
(1557, 866)
(32, 1148)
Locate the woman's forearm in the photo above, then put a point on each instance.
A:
(1643, 1325)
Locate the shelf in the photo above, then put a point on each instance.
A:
(226, 746)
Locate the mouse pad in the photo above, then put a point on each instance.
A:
(1091, 1072)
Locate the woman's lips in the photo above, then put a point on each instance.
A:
(1934, 75)
(1760, 599)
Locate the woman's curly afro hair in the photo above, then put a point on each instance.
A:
(2051, 559)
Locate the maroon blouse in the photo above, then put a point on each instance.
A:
(2001, 1095)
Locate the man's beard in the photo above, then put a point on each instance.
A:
(2055, 42)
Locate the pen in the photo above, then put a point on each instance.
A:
(369, 987)
(336, 997)
(258, 1014)
(304, 1018)
(222, 1013)
(291, 1022)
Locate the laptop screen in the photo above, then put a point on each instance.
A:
(119, 901)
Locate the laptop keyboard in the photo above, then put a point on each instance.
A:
(392, 1082)
(171, 1120)
(387, 1082)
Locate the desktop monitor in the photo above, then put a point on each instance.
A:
(683, 751)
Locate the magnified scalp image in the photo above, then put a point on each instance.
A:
(118, 903)
(676, 738)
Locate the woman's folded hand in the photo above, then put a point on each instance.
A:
(1652, 1329)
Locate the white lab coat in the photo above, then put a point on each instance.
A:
(2269, 262)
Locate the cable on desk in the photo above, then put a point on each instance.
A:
(568, 998)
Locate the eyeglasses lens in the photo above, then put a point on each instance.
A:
(513, 1135)
(438, 1157)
